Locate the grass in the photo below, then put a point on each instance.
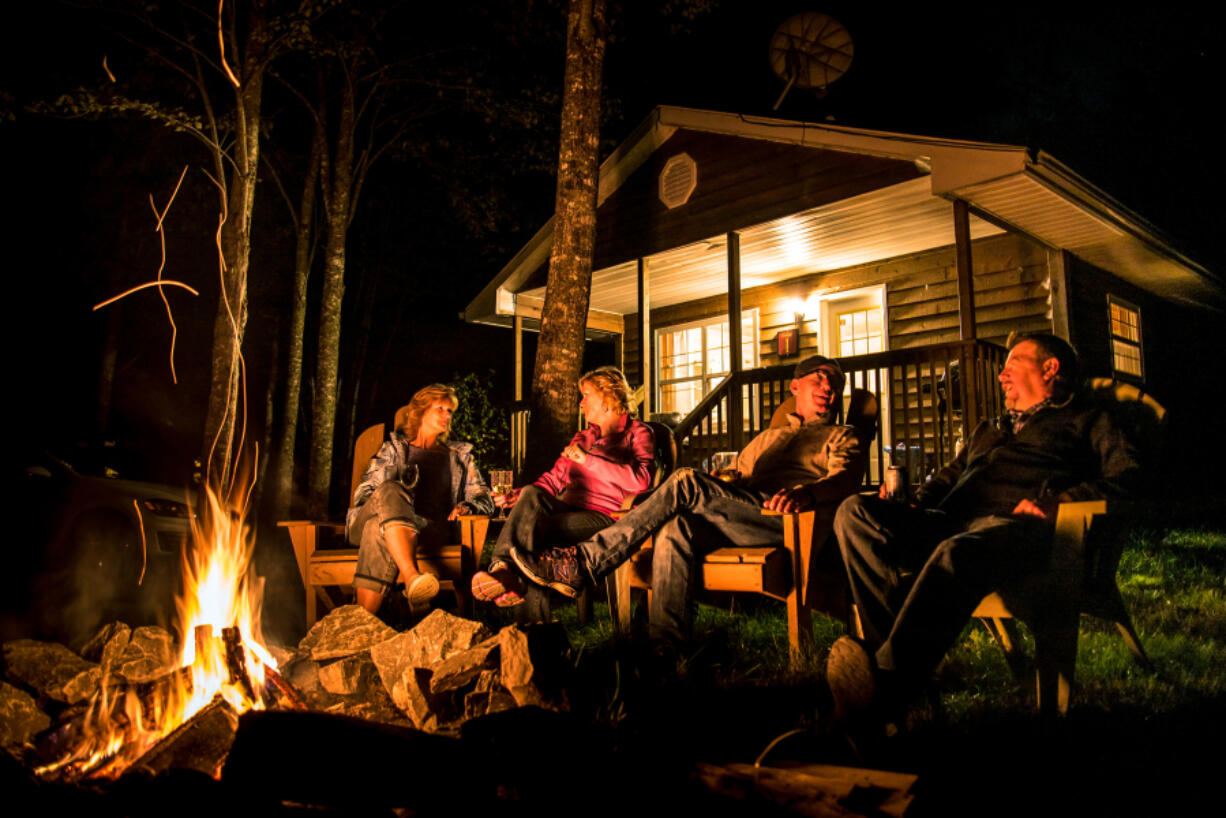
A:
(1129, 745)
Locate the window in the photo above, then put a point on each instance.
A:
(692, 359)
(1125, 337)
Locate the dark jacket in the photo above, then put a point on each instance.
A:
(1074, 451)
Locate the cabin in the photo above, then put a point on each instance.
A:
(728, 247)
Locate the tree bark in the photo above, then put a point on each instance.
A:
(559, 354)
(230, 323)
(338, 203)
(283, 477)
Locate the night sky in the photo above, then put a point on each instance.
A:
(1127, 100)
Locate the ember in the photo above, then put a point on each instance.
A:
(223, 659)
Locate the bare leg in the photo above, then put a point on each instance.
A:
(368, 599)
(402, 545)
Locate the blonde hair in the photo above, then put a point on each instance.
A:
(612, 386)
(408, 417)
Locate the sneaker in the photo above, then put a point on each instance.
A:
(852, 677)
(557, 569)
(420, 590)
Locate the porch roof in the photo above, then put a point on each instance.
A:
(894, 195)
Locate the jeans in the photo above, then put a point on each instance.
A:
(538, 520)
(917, 575)
(691, 515)
(391, 502)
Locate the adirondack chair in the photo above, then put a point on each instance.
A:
(1086, 550)
(328, 569)
(790, 572)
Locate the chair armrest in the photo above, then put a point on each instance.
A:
(473, 528)
(313, 523)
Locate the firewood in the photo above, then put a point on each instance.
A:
(236, 661)
(200, 743)
(281, 691)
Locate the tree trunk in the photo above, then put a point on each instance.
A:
(283, 477)
(559, 354)
(337, 199)
(230, 322)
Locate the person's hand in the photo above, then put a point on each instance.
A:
(462, 508)
(575, 453)
(787, 501)
(1030, 508)
(507, 500)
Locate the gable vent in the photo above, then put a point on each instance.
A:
(678, 180)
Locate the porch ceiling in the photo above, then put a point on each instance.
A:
(893, 221)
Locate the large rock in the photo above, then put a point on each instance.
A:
(432, 640)
(20, 718)
(148, 654)
(459, 669)
(51, 670)
(532, 664)
(95, 649)
(410, 693)
(349, 675)
(345, 631)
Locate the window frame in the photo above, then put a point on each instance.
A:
(708, 379)
(1115, 338)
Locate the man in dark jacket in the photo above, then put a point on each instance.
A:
(918, 571)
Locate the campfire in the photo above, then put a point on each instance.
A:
(224, 668)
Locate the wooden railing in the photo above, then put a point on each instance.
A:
(930, 397)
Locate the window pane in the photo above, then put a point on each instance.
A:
(1125, 323)
(1127, 357)
(860, 332)
(680, 397)
(681, 354)
(749, 344)
(717, 347)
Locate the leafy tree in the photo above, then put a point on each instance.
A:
(479, 422)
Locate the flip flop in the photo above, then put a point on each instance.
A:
(422, 589)
(508, 600)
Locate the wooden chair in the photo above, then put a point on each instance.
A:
(1086, 550)
(326, 568)
(791, 572)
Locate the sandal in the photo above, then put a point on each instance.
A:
(496, 583)
(420, 590)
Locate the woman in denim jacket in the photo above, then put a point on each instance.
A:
(416, 483)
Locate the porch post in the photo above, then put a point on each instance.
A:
(645, 339)
(736, 418)
(966, 287)
(966, 317)
(518, 331)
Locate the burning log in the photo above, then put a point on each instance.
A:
(236, 661)
(282, 692)
(201, 743)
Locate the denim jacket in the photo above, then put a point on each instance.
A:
(388, 464)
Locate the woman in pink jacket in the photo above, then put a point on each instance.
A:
(612, 458)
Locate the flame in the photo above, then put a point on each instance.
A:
(220, 592)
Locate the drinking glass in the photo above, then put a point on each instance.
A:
(723, 466)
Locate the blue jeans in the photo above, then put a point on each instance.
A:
(538, 520)
(691, 514)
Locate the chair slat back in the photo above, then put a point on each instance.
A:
(366, 447)
(666, 451)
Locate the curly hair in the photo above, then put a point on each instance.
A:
(408, 417)
(612, 386)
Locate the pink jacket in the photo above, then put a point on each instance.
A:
(617, 465)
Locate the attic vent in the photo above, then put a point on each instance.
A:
(678, 180)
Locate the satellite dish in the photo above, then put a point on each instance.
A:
(810, 50)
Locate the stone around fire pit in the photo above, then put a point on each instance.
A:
(459, 669)
(20, 718)
(114, 635)
(347, 675)
(345, 631)
(149, 654)
(51, 670)
(429, 642)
